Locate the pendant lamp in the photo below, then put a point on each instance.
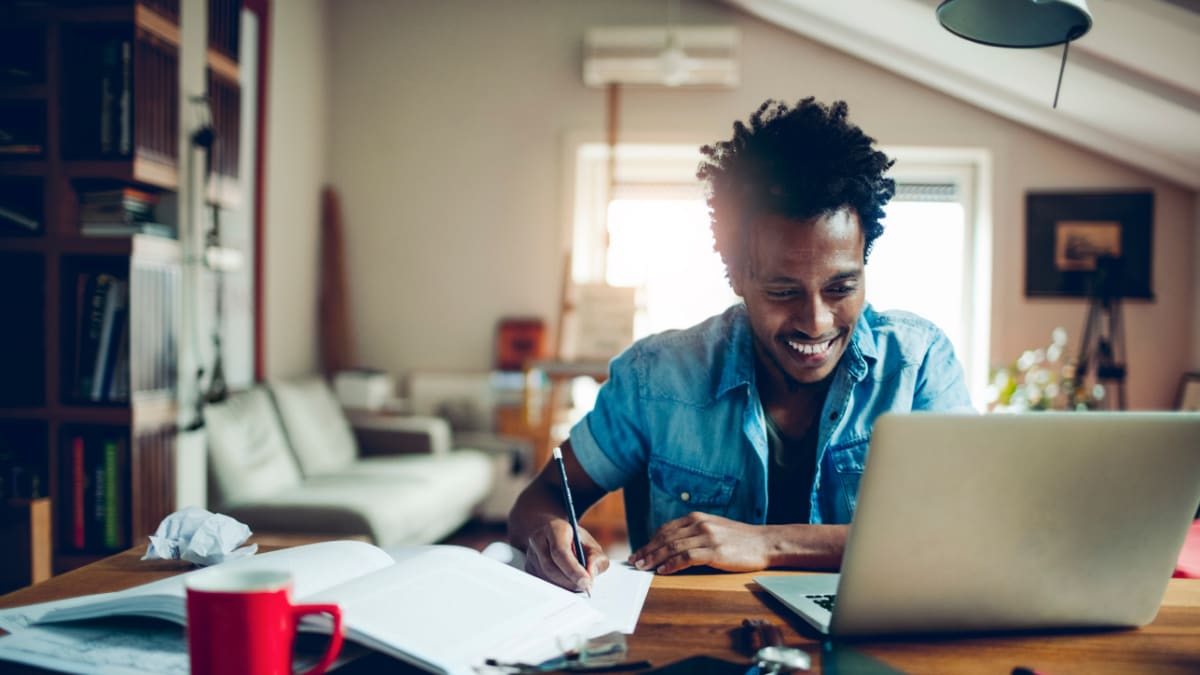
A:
(1018, 23)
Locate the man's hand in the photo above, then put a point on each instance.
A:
(733, 546)
(705, 539)
(550, 554)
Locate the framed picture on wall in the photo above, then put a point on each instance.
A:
(1071, 238)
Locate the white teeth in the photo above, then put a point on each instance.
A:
(809, 350)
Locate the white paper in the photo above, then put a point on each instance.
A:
(618, 593)
(199, 536)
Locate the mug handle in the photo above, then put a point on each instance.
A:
(335, 639)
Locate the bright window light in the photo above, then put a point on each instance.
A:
(665, 247)
(918, 265)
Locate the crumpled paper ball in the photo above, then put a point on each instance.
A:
(199, 536)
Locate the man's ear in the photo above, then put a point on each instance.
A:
(736, 282)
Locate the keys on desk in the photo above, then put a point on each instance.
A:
(765, 641)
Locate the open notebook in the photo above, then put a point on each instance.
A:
(444, 609)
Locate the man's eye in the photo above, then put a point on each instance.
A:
(841, 290)
(780, 294)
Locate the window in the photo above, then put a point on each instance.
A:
(934, 258)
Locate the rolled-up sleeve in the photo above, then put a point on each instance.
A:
(610, 441)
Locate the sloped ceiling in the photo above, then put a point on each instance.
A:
(1131, 89)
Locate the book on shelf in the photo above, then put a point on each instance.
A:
(114, 491)
(109, 345)
(78, 492)
(103, 307)
(127, 207)
(94, 494)
(93, 296)
(444, 609)
(115, 113)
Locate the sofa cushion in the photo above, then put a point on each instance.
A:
(415, 499)
(248, 452)
(319, 433)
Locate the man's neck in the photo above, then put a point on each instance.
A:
(793, 405)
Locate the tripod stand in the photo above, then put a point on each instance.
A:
(1103, 341)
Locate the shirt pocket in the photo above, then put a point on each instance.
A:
(677, 490)
(848, 460)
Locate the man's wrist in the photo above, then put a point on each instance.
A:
(803, 546)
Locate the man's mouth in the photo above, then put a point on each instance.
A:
(811, 348)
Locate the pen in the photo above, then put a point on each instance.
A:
(570, 504)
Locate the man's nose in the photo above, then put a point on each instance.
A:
(814, 317)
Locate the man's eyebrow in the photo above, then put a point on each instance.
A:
(844, 276)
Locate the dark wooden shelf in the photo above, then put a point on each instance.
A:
(222, 65)
(116, 414)
(22, 92)
(141, 16)
(24, 413)
(15, 165)
(28, 243)
(137, 169)
(148, 247)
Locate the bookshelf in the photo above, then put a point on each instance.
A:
(89, 110)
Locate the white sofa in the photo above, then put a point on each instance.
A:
(283, 458)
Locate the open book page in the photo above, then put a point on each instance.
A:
(449, 608)
(314, 567)
(14, 619)
(131, 646)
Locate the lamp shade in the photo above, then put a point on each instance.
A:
(1016, 23)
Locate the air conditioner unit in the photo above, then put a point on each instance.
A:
(683, 56)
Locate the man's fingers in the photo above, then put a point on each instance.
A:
(566, 562)
(666, 542)
(681, 554)
(546, 561)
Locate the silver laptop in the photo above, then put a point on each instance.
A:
(1009, 522)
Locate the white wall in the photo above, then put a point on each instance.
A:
(296, 162)
(445, 143)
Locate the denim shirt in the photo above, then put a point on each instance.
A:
(680, 426)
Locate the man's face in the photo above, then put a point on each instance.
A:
(804, 288)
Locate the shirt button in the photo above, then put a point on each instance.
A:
(833, 416)
(685, 496)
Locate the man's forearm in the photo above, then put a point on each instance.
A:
(810, 547)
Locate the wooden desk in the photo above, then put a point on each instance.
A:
(693, 614)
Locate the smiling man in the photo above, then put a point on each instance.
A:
(740, 442)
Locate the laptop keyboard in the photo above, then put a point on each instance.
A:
(824, 600)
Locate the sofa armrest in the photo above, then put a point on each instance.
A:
(397, 435)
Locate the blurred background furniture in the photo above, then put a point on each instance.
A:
(284, 458)
(25, 529)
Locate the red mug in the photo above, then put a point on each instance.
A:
(243, 621)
